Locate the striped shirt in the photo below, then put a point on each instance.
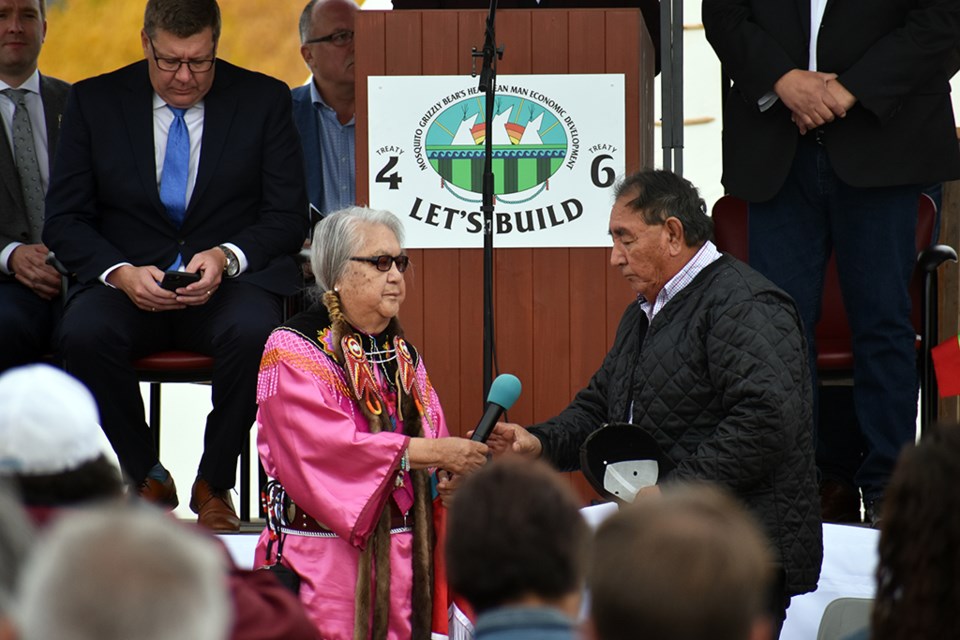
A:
(337, 153)
(707, 254)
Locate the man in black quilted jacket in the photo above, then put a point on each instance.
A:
(711, 362)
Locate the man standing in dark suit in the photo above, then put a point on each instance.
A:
(838, 116)
(323, 110)
(28, 141)
(181, 161)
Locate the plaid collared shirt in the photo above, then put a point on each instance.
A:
(707, 254)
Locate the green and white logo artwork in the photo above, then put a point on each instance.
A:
(557, 147)
(529, 145)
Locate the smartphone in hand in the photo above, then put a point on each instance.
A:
(173, 280)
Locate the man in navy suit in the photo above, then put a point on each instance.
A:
(179, 161)
(29, 288)
(324, 109)
(838, 116)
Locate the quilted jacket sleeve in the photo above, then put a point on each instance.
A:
(757, 361)
(591, 408)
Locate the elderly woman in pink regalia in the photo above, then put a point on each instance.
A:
(350, 429)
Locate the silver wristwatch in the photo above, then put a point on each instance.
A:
(232, 267)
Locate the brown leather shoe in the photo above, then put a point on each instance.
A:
(214, 508)
(839, 501)
(162, 494)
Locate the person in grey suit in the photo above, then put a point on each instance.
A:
(28, 286)
(323, 109)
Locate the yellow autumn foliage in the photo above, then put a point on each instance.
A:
(90, 37)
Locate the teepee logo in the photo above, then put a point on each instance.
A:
(557, 146)
(529, 145)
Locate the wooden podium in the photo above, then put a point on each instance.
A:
(556, 310)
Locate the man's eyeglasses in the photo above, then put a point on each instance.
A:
(337, 39)
(384, 263)
(173, 64)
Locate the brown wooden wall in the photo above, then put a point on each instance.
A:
(556, 310)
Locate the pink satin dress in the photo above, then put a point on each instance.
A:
(315, 441)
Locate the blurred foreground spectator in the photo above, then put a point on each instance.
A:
(516, 550)
(690, 565)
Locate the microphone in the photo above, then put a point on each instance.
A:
(504, 391)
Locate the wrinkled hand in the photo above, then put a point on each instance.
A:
(142, 286)
(28, 262)
(447, 485)
(508, 437)
(210, 265)
(455, 455)
(810, 102)
(459, 455)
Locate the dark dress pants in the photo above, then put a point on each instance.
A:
(103, 332)
(26, 324)
(872, 231)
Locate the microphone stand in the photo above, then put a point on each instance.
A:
(488, 85)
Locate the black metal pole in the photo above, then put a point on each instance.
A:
(666, 83)
(671, 84)
(488, 85)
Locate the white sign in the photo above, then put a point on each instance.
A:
(558, 146)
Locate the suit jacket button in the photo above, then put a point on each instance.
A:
(181, 241)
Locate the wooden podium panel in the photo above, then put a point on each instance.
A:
(556, 310)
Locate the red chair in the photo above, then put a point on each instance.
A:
(834, 343)
(186, 366)
(183, 366)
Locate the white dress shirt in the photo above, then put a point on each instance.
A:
(162, 119)
(816, 17)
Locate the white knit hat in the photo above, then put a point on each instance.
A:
(49, 422)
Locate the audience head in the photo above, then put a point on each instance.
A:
(917, 590)
(690, 565)
(326, 43)
(657, 223)
(15, 537)
(123, 572)
(23, 21)
(515, 536)
(179, 40)
(50, 439)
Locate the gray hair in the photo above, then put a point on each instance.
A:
(338, 237)
(306, 18)
(114, 573)
(16, 534)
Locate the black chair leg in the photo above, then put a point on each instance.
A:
(245, 480)
(155, 413)
(263, 481)
(928, 262)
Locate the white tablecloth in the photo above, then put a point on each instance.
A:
(849, 562)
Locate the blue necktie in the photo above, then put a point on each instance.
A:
(176, 168)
